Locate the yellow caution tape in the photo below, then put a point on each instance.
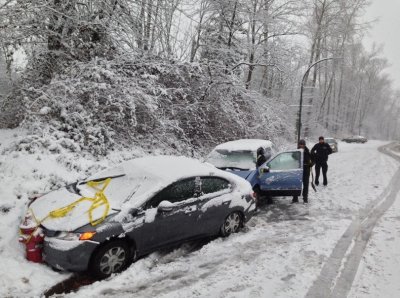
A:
(99, 200)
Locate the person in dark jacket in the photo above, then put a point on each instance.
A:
(261, 156)
(320, 152)
(307, 164)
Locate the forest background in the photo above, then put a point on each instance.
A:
(187, 75)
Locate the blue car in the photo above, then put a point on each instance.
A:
(239, 156)
(281, 175)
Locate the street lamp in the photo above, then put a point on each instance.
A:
(301, 93)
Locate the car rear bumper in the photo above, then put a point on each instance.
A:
(65, 255)
(250, 211)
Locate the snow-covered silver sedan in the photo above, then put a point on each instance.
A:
(333, 144)
(112, 218)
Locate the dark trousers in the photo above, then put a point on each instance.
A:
(318, 166)
(306, 181)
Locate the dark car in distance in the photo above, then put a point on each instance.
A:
(153, 203)
(355, 139)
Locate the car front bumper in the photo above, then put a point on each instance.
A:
(68, 255)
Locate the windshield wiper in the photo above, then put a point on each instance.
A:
(233, 168)
(102, 178)
(134, 191)
(74, 186)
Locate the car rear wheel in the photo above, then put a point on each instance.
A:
(110, 258)
(233, 222)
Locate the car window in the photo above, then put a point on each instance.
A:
(243, 159)
(176, 192)
(285, 161)
(213, 184)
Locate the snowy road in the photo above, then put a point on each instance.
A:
(379, 270)
(285, 247)
(285, 251)
(340, 270)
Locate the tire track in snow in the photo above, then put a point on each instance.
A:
(337, 275)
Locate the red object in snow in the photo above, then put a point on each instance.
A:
(33, 240)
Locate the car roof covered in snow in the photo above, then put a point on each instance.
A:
(148, 175)
(244, 145)
(164, 167)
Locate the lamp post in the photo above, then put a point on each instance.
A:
(301, 93)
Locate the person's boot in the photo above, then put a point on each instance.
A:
(305, 200)
(295, 200)
(316, 182)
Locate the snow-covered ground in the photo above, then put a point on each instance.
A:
(280, 253)
(379, 270)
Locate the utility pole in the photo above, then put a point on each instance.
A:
(299, 124)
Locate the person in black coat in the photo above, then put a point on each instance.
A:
(320, 152)
(261, 156)
(307, 164)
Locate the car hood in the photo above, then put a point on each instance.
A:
(75, 218)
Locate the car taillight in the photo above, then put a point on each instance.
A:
(254, 197)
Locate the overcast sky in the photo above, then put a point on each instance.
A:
(386, 31)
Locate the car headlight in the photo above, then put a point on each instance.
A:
(70, 236)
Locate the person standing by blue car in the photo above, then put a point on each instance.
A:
(320, 152)
(262, 156)
(307, 164)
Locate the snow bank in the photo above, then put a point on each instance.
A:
(23, 174)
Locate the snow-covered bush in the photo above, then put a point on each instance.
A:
(154, 103)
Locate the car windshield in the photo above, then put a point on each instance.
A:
(224, 159)
(126, 185)
(330, 141)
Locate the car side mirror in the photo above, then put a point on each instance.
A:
(264, 170)
(165, 206)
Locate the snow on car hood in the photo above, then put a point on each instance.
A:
(60, 198)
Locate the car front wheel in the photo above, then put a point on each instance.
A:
(233, 222)
(110, 258)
